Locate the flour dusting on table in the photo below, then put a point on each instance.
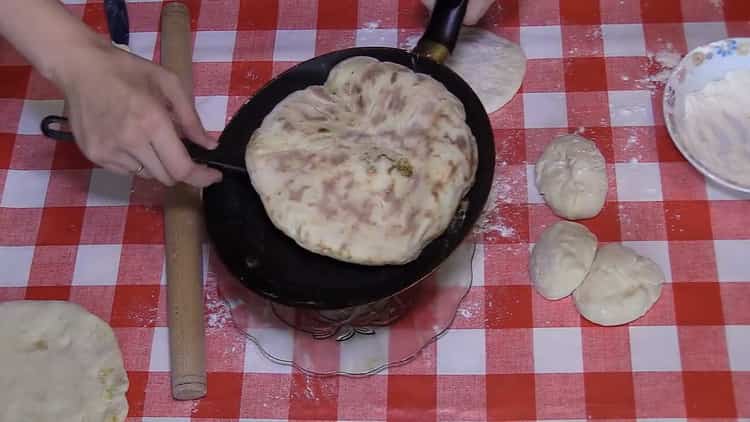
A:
(632, 145)
(217, 312)
(409, 42)
(665, 61)
(372, 25)
(469, 310)
(491, 221)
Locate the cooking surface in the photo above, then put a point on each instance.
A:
(68, 231)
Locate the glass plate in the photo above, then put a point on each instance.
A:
(356, 341)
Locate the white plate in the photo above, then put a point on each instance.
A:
(704, 64)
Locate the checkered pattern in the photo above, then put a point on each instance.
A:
(71, 231)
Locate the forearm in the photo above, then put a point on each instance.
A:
(51, 39)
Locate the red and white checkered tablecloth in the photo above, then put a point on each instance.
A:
(70, 231)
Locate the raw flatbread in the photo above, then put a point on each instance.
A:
(493, 66)
(620, 287)
(369, 167)
(59, 363)
(571, 175)
(561, 259)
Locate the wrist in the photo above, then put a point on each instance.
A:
(65, 64)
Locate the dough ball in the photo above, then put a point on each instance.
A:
(474, 10)
(572, 176)
(561, 259)
(59, 363)
(493, 66)
(367, 168)
(620, 287)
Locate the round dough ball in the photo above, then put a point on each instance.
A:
(572, 176)
(620, 287)
(493, 66)
(561, 259)
(368, 168)
(60, 363)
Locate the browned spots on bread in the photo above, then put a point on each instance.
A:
(296, 194)
(378, 119)
(372, 72)
(396, 102)
(339, 158)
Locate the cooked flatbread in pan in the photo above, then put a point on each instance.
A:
(367, 168)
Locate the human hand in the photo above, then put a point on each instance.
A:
(126, 112)
(474, 10)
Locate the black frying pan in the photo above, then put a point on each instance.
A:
(271, 264)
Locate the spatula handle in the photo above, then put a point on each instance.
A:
(183, 229)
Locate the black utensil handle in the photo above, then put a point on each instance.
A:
(442, 31)
(57, 134)
(210, 158)
(199, 154)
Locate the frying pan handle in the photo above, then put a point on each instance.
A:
(198, 154)
(61, 122)
(441, 34)
(211, 158)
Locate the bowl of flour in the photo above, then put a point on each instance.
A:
(707, 111)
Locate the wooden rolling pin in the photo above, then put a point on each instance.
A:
(183, 229)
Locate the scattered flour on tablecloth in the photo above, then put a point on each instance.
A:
(144, 317)
(665, 61)
(309, 392)
(368, 31)
(323, 390)
(251, 76)
(372, 25)
(632, 147)
(217, 312)
(469, 310)
(491, 221)
(593, 34)
(409, 42)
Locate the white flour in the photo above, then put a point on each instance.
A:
(633, 144)
(715, 126)
(666, 61)
(372, 25)
(217, 313)
(469, 310)
(491, 220)
(410, 42)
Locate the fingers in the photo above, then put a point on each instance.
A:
(151, 164)
(184, 111)
(124, 164)
(132, 166)
(136, 107)
(178, 164)
(118, 168)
